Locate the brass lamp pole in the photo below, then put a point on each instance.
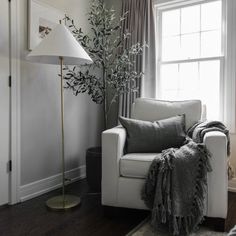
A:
(62, 201)
(60, 47)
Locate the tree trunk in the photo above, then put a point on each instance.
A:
(105, 98)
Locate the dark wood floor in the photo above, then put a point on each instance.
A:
(33, 218)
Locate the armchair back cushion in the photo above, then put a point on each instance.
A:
(151, 110)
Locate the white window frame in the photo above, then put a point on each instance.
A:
(161, 6)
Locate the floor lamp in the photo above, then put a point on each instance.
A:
(60, 48)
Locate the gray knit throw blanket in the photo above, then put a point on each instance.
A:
(176, 187)
(197, 131)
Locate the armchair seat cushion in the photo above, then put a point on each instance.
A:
(136, 165)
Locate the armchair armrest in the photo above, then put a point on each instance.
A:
(113, 142)
(216, 143)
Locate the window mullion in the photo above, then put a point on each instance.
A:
(179, 79)
(191, 60)
(180, 29)
(200, 33)
(159, 52)
(199, 81)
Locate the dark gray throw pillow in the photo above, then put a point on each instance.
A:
(146, 136)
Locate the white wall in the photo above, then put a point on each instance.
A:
(233, 150)
(40, 109)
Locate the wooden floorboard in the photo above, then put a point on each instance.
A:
(231, 217)
(33, 218)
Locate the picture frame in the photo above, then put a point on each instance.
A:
(42, 18)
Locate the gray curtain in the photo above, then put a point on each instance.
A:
(140, 23)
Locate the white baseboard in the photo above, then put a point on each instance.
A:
(232, 185)
(42, 186)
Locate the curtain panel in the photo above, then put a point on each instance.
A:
(140, 23)
(229, 83)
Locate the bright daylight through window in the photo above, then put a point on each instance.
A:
(190, 54)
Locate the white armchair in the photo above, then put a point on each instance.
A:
(123, 175)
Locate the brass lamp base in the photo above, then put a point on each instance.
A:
(60, 203)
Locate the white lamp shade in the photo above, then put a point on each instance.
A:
(59, 43)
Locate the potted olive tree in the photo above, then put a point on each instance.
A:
(113, 70)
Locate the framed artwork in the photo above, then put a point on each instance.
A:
(42, 18)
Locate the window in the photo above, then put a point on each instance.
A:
(191, 59)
